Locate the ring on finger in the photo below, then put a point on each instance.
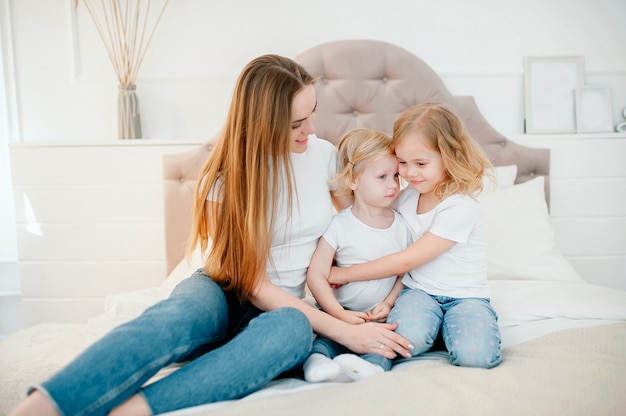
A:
(382, 346)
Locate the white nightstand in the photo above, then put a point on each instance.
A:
(588, 201)
(89, 223)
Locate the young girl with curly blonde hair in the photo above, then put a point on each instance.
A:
(447, 292)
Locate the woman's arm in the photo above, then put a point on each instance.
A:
(365, 338)
(317, 280)
(422, 251)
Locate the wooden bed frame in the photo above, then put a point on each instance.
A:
(360, 83)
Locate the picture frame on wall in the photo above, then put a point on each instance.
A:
(550, 91)
(594, 112)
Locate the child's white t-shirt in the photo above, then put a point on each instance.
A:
(356, 242)
(460, 272)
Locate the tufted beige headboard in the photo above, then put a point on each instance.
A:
(360, 83)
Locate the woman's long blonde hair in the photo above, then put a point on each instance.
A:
(252, 153)
(463, 158)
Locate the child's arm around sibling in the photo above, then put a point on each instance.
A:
(317, 280)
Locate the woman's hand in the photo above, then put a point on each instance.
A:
(376, 338)
(369, 337)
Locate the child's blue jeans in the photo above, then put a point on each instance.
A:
(329, 348)
(469, 326)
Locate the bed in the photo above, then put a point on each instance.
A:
(564, 340)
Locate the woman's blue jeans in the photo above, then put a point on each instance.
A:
(232, 349)
(469, 326)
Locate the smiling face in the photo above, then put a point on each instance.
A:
(302, 108)
(377, 184)
(420, 165)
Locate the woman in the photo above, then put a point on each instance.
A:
(263, 199)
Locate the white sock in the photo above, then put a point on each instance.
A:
(320, 368)
(356, 367)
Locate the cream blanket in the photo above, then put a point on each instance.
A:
(571, 372)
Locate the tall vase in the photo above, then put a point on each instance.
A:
(129, 123)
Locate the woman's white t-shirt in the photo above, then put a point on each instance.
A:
(461, 271)
(297, 229)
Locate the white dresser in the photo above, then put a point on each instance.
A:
(89, 223)
(588, 201)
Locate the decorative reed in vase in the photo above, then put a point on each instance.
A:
(126, 28)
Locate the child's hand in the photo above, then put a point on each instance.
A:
(379, 313)
(353, 317)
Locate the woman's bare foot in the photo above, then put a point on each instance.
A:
(135, 406)
(36, 404)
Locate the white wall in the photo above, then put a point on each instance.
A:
(67, 90)
(9, 272)
(58, 85)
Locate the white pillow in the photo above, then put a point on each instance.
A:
(122, 307)
(520, 238)
(183, 269)
(504, 175)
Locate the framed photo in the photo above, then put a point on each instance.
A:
(594, 112)
(550, 86)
